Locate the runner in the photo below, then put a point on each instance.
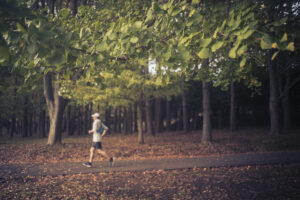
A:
(98, 131)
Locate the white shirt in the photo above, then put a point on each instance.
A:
(96, 126)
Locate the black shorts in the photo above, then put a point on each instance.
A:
(97, 145)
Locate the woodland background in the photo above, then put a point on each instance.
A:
(218, 64)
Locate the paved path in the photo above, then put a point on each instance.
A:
(244, 159)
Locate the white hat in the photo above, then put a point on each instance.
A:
(96, 115)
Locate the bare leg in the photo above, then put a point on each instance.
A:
(103, 153)
(91, 154)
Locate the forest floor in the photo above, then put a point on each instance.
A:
(164, 145)
(243, 182)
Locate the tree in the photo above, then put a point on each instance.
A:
(102, 54)
(158, 117)
(184, 109)
(233, 107)
(149, 116)
(206, 132)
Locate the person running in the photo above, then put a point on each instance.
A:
(98, 131)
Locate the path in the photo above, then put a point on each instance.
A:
(244, 159)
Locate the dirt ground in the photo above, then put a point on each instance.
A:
(164, 145)
(252, 182)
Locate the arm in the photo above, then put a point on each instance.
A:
(95, 127)
(105, 129)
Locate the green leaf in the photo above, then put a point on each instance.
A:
(134, 39)
(205, 42)
(43, 52)
(195, 2)
(284, 38)
(205, 53)
(102, 46)
(138, 24)
(143, 62)
(32, 48)
(81, 33)
(67, 75)
(216, 46)
(264, 45)
(268, 39)
(168, 54)
(290, 46)
(280, 22)
(236, 24)
(216, 32)
(21, 28)
(165, 6)
(274, 55)
(243, 62)
(100, 57)
(57, 59)
(4, 53)
(149, 16)
(183, 41)
(242, 50)
(232, 53)
(68, 36)
(65, 12)
(184, 55)
(158, 48)
(247, 34)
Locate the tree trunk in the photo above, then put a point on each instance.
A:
(30, 128)
(286, 102)
(25, 118)
(116, 120)
(55, 106)
(273, 100)
(206, 133)
(184, 110)
(1, 125)
(35, 123)
(43, 3)
(119, 119)
(42, 123)
(168, 117)
(59, 5)
(90, 114)
(233, 124)
(149, 117)
(69, 121)
(107, 116)
(51, 6)
(179, 118)
(80, 119)
(86, 119)
(140, 121)
(130, 119)
(135, 118)
(157, 115)
(74, 7)
(13, 121)
(220, 118)
(13, 126)
(125, 123)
